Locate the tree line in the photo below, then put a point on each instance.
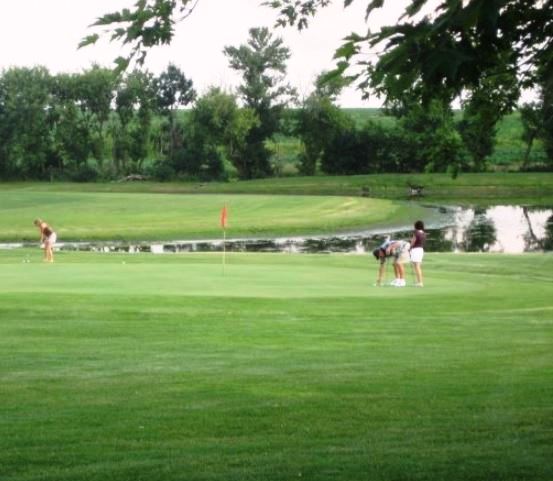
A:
(106, 124)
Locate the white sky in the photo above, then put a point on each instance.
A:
(47, 32)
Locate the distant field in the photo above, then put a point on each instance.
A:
(144, 367)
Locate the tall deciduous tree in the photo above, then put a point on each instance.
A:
(435, 143)
(208, 130)
(134, 105)
(174, 91)
(262, 62)
(317, 121)
(95, 92)
(81, 107)
(25, 110)
(71, 137)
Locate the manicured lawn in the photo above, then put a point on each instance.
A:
(488, 188)
(150, 216)
(145, 367)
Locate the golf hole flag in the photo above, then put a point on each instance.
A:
(224, 216)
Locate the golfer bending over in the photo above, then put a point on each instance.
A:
(399, 251)
(47, 238)
(417, 250)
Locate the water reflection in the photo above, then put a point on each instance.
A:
(548, 239)
(509, 229)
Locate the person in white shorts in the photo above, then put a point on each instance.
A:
(417, 251)
(48, 238)
(399, 251)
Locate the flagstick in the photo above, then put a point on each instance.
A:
(224, 227)
(224, 250)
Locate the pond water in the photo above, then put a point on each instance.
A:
(500, 228)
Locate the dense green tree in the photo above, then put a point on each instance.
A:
(435, 143)
(237, 137)
(317, 121)
(144, 87)
(120, 127)
(214, 115)
(26, 115)
(70, 133)
(209, 130)
(134, 106)
(173, 91)
(391, 149)
(95, 93)
(262, 63)
(80, 108)
(345, 153)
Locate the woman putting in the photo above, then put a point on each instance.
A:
(47, 238)
(399, 251)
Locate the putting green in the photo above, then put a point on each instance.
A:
(145, 367)
(242, 275)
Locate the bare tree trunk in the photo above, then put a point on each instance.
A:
(526, 160)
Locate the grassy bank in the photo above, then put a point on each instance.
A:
(467, 188)
(142, 367)
(138, 216)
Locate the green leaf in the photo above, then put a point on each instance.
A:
(373, 6)
(108, 19)
(121, 64)
(414, 8)
(88, 40)
(347, 50)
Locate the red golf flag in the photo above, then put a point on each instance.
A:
(224, 217)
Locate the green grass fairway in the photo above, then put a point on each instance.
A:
(145, 367)
(483, 188)
(148, 216)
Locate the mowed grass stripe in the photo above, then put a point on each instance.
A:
(88, 216)
(445, 382)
